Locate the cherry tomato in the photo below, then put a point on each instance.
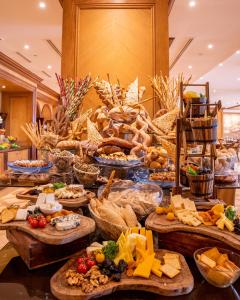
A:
(90, 263)
(42, 223)
(29, 218)
(81, 260)
(82, 268)
(34, 223)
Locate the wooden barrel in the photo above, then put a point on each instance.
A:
(204, 131)
(195, 110)
(188, 132)
(201, 186)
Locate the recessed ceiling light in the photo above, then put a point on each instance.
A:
(49, 67)
(238, 78)
(189, 67)
(26, 47)
(201, 78)
(220, 65)
(3, 86)
(210, 46)
(192, 3)
(238, 51)
(42, 5)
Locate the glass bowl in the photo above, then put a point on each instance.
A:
(218, 278)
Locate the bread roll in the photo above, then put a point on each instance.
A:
(129, 216)
(111, 216)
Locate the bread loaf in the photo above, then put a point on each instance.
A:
(129, 216)
(111, 216)
(68, 145)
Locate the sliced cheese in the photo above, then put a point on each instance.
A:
(144, 269)
(143, 231)
(169, 270)
(208, 261)
(21, 214)
(149, 237)
(174, 262)
(134, 230)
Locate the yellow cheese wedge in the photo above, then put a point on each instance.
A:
(169, 270)
(208, 261)
(149, 237)
(135, 230)
(143, 231)
(144, 268)
(156, 272)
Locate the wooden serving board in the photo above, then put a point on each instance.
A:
(160, 224)
(49, 235)
(73, 203)
(180, 285)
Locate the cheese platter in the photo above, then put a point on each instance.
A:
(49, 235)
(104, 268)
(72, 196)
(162, 225)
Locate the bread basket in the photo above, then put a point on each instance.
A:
(109, 231)
(63, 163)
(86, 178)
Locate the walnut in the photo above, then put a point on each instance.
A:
(94, 282)
(72, 280)
(87, 287)
(69, 273)
(103, 279)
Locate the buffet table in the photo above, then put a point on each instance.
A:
(17, 282)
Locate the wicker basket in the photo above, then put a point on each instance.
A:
(62, 163)
(201, 186)
(84, 177)
(196, 110)
(204, 130)
(109, 231)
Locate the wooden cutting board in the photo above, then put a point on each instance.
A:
(73, 203)
(160, 224)
(49, 235)
(180, 285)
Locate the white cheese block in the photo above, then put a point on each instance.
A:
(21, 214)
(67, 225)
(41, 199)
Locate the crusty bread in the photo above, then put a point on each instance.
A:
(129, 216)
(111, 216)
(68, 145)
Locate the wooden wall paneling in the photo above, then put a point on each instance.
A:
(76, 58)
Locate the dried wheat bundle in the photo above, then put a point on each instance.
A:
(92, 132)
(167, 121)
(168, 90)
(34, 132)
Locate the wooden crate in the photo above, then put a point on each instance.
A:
(36, 254)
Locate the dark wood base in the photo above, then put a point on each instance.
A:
(187, 243)
(36, 254)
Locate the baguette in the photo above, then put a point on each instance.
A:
(68, 145)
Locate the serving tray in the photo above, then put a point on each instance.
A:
(180, 285)
(29, 170)
(49, 235)
(72, 202)
(160, 224)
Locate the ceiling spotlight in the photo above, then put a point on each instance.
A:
(201, 78)
(42, 5)
(189, 67)
(49, 67)
(220, 65)
(192, 3)
(238, 51)
(210, 46)
(3, 86)
(26, 47)
(238, 79)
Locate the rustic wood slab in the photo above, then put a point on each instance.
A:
(72, 203)
(36, 254)
(160, 224)
(49, 235)
(180, 285)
